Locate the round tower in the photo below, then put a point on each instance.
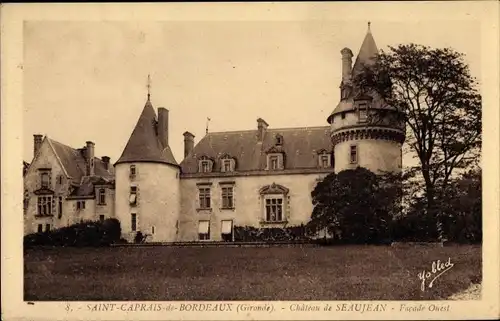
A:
(147, 195)
(365, 131)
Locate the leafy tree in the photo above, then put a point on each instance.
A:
(461, 206)
(441, 106)
(355, 205)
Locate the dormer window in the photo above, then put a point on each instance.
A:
(362, 112)
(324, 160)
(227, 164)
(275, 161)
(205, 165)
(279, 140)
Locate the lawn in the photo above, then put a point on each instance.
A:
(224, 273)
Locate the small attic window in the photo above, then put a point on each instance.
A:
(205, 165)
(227, 164)
(279, 139)
(275, 161)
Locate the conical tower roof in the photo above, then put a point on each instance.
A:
(144, 144)
(366, 53)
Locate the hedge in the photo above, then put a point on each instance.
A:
(89, 233)
(273, 234)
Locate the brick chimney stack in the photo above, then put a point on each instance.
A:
(261, 127)
(105, 161)
(89, 157)
(37, 142)
(163, 126)
(188, 143)
(346, 65)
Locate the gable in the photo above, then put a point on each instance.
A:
(46, 158)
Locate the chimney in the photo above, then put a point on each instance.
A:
(261, 126)
(37, 142)
(89, 157)
(346, 64)
(188, 143)
(105, 161)
(163, 126)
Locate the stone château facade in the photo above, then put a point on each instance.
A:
(260, 178)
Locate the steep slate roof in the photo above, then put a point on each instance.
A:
(74, 163)
(86, 188)
(367, 51)
(365, 56)
(300, 145)
(143, 144)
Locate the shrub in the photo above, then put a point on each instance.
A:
(88, 233)
(273, 234)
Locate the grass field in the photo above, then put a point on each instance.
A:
(223, 273)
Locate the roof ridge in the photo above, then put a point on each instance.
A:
(269, 129)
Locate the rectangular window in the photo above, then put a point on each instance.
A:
(362, 112)
(132, 170)
(274, 209)
(152, 230)
(47, 227)
(45, 180)
(204, 197)
(227, 197)
(102, 196)
(226, 165)
(343, 115)
(274, 162)
(133, 223)
(325, 161)
(133, 195)
(354, 154)
(40, 228)
(60, 207)
(80, 205)
(227, 230)
(205, 166)
(101, 218)
(44, 205)
(204, 230)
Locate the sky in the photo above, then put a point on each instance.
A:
(87, 80)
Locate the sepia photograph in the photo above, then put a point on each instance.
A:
(212, 162)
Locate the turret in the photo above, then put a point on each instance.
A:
(147, 195)
(365, 131)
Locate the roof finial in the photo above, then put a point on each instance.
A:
(149, 86)
(369, 24)
(208, 120)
